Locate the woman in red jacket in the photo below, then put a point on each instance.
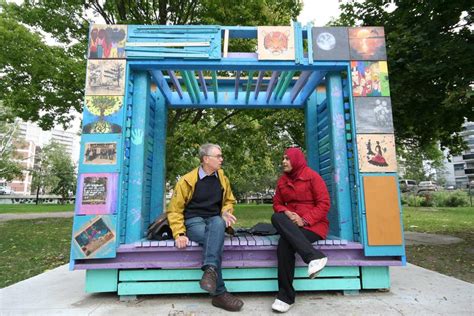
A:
(301, 204)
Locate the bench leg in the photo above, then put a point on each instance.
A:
(128, 298)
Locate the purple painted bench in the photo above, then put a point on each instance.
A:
(239, 252)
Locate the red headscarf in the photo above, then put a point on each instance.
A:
(297, 160)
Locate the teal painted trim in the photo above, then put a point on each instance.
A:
(311, 132)
(100, 281)
(249, 86)
(229, 274)
(298, 42)
(140, 288)
(375, 278)
(285, 84)
(281, 79)
(341, 188)
(159, 158)
(136, 197)
(189, 88)
(398, 250)
(215, 87)
(235, 64)
(194, 84)
(309, 28)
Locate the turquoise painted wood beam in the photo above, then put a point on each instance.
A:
(159, 157)
(215, 87)
(235, 64)
(135, 221)
(313, 81)
(226, 100)
(194, 84)
(340, 173)
(311, 132)
(237, 79)
(300, 83)
(259, 82)
(285, 84)
(176, 83)
(187, 83)
(203, 83)
(249, 86)
(281, 80)
(271, 84)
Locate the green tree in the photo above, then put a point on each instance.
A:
(54, 172)
(430, 56)
(9, 167)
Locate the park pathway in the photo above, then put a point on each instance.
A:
(10, 216)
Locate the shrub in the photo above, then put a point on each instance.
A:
(428, 200)
(451, 199)
(412, 200)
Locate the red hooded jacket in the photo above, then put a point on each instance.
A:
(304, 192)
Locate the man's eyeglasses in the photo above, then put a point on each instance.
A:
(216, 156)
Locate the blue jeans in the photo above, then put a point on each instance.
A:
(209, 233)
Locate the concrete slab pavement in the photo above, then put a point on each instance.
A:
(415, 291)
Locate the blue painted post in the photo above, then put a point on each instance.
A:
(136, 197)
(159, 157)
(311, 131)
(341, 203)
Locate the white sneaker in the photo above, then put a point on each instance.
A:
(280, 306)
(315, 266)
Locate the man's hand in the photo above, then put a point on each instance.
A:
(295, 218)
(181, 242)
(228, 218)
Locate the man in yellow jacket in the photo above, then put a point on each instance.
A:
(200, 210)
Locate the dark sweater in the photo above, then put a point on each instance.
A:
(206, 200)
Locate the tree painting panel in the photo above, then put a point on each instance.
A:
(276, 43)
(376, 153)
(370, 79)
(94, 237)
(97, 193)
(100, 154)
(330, 43)
(367, 43)
(107, 41)
(373, 115)
(102, 114)
(105, 77)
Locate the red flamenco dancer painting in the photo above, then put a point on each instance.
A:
(376, 153)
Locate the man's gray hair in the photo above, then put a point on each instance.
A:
(205, 150)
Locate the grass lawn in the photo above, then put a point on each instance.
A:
(33, 208)
(456, 260)
(30, 247)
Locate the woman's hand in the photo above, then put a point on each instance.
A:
(295, 218)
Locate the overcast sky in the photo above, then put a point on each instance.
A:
(319, 12)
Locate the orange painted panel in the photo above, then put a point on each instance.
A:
(382, 211)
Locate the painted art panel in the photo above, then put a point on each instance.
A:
(373, 115)
(370, 79)
(382, 211)
(330, 43)
(367, 43)
(105, 77)
(107, 41)
(102, 114)
(97, 193)
(276, 43)
(94, 237)
(376, 153)
(100, 153)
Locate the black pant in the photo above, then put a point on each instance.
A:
(292, 239)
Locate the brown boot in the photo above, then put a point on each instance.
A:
(228, 302)
(209, 280)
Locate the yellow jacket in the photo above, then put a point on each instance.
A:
(183, 193)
